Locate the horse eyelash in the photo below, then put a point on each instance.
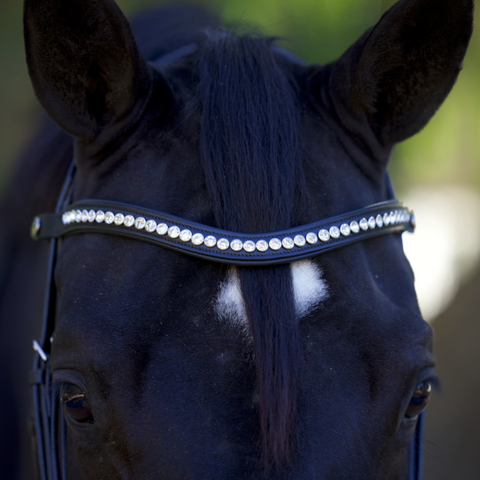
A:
(56, 388)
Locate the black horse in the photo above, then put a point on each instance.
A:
(170, 366)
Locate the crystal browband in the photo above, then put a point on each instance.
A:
(222, 246)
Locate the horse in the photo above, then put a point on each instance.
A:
(227, 293)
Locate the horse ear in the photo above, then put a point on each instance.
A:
(84, 63)
(394, 78)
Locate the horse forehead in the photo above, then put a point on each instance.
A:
(309, 289)
(122, 286)
(125, 295)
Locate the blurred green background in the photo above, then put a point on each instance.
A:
(317, 30)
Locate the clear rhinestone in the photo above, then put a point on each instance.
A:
(364, 224)
(174, 232)
(312, 238)
(223, 244)
(197, 239)
(379, 221)
(128, 221)
(262, 246)
(109, 216)
(84, 216)
(162, 228)
(185, 235)
(70, 216)
(78, 216)
(64, 218)
(275, 244)
(299, 240)
(249, 246)
(100, 217)
(372, 223)
(393, 218)
(345, 230)
(151, 226)
(386, 219)
(354, 227)
(324, 235)
(288, 243)
(140, 223)
(236, 245)
(334, 232)
(119, 218)
(210, 241)
(91, 216)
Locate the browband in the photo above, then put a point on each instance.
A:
(215, 245)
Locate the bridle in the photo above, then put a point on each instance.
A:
(201, 241)
(49, 428)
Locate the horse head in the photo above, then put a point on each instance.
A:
(172, 366)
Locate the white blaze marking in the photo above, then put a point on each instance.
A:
(230, 302)
(308, 287)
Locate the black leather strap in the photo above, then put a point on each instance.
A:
(416, 450)
(43, 396)
(91, 216)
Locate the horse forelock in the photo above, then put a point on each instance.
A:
(250, 151)
(249, 133)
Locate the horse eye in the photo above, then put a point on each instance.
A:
(75, 404)
(419, 401)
